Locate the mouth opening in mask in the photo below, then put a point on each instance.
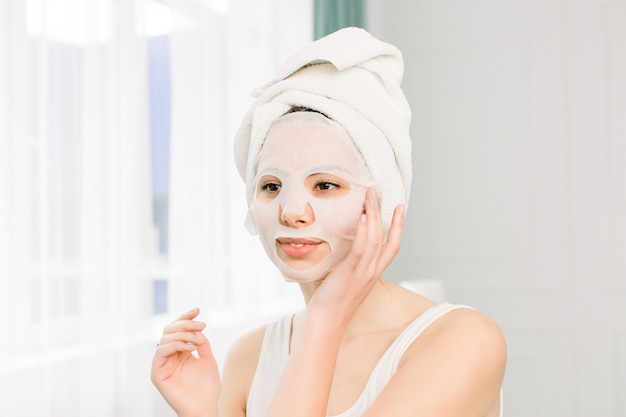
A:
(302, 253)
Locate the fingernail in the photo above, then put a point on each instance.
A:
(198, 324)
(402, 210)
(363, 218)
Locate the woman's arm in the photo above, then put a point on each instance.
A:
(239, 370)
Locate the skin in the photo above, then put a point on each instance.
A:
(455, 368)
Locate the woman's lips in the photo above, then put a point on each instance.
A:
(298, 247)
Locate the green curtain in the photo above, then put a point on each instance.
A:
(332, 15)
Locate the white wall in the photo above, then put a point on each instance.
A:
(519, 196)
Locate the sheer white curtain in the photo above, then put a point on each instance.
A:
(218, 56)
(86, 282)
(216, 62)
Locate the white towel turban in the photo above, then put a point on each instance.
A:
(354, 79)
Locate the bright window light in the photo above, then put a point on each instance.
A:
(160, 19)
(70, 21)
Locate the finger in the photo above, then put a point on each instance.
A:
(188, 337)
(176, 346)
(358, 244)
(376, 229)
(163, 352)
(191, 314)
(397, 225)
(184, 325)
(185, 317)
(394, 238)
(375, 233)
(204, 348)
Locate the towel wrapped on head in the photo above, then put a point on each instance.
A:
(354, 79)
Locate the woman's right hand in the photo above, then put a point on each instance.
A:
(189, 383)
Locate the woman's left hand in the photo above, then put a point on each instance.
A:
(347, 285)
(190, 384)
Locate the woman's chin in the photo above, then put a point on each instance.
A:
(298, 267)
(303, 273)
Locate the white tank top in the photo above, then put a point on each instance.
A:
(275, 351)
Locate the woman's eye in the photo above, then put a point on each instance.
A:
(271, 187)
(326, 185)
(323, 185)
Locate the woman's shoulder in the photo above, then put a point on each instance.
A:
(460, 354)
(455, 331)
(465, 346)
(244, 353)
(453, 324)
(463, 332)
(471, 326)
(239, 368)
(248, 345)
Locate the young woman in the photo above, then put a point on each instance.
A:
(325, 154)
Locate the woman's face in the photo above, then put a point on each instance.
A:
(310, 192)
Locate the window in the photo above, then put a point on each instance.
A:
(119, 203)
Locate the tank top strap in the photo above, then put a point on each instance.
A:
(413, 330)
(387, 366)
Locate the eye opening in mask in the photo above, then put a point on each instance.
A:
(268, 187)
(327, 185)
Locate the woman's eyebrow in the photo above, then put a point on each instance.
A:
(329, 167)
(271, 171)
(318, 169)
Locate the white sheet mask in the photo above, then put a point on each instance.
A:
(301, 150)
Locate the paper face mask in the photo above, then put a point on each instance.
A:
(310, 191)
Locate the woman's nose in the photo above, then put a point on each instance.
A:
(290, 216)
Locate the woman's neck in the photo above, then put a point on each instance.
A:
(374, 312)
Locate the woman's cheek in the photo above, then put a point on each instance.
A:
(342, 220)
(265, 217)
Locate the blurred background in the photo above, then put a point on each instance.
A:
(120, 206)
